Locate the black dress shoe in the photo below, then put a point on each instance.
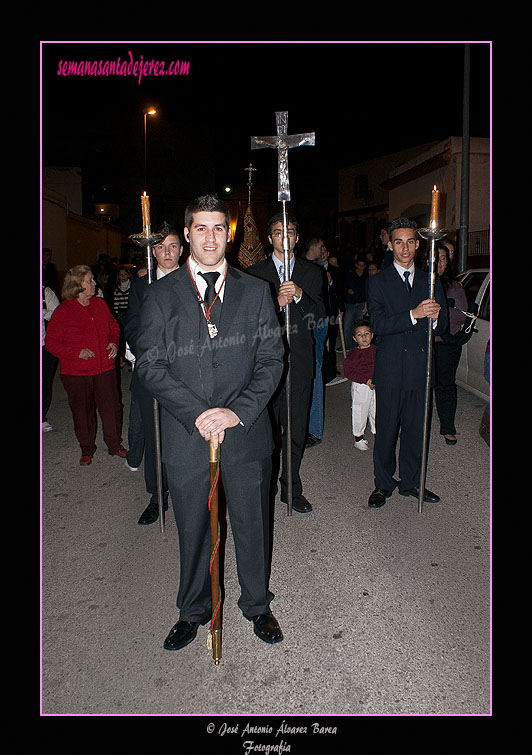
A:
(151, 512)
(428, 497)
(181, 635)
(300, 504)
(312, 441)
(267, 628)
(378, 498)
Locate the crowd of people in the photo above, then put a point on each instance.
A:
(209, 349)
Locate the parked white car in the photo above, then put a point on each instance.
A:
(470, 373)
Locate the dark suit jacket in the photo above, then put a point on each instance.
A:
(303, 316)
(188, 373)
(131, 320)
(335, 292)
(401, 360)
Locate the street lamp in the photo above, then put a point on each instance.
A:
(148, 111)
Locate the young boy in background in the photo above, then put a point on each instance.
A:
(358, 367)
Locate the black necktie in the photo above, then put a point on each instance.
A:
(210, 294)
(407, 282)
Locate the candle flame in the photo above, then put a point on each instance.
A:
(435, 187)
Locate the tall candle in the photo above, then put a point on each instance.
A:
(434, 207)
(145, 201)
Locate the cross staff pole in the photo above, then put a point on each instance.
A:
(215, 632)
(432, 234)
(146, 239)
(283, 142)
(250, 169)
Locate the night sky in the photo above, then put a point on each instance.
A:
(361, 99)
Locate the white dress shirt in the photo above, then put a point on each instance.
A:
(411, 270)
(195, 268)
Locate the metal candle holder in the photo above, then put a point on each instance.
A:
(433, 235)
(146, 240)
(142, 240)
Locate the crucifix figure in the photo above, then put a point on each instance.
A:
(282, 142)
(249, 170)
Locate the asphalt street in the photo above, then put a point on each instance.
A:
(384, 612)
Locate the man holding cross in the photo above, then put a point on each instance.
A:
(303, 293)
(296, 292)
(213, 362)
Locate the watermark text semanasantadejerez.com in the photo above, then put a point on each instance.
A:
(123, 67)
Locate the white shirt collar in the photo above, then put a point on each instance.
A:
(402, 271)
(277, 262)
(201, 283)
(160, 272)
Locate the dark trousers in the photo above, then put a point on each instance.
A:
(88, 393)
(301, 393)
(49, 365)
(329, 354)
(447, 357)
(144, 401)
(135, 434)
(399, 413)
(246, 488)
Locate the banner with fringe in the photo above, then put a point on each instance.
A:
(251, 250)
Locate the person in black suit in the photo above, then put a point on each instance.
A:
(166, 253)
(303, 292)
(400, 313)
(49, 272)
(386, 254)
(334, 308)
(213, 366)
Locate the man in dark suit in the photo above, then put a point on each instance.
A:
(49, 272)
(213, 373)
(400, 314)
(303, 292)
(166, 253)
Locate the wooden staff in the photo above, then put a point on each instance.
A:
(215, 633)
(342, 337)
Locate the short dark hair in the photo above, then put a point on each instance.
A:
(278, 218)
(205, 203)
(401, 223)
(363, 323)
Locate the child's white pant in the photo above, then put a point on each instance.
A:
(362, 408)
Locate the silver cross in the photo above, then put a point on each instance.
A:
(249, 169)
(282, 142)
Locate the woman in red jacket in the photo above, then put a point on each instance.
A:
(83, 335)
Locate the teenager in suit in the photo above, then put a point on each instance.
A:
(303, 292)
(400, 313)
(166, 253)
(214, 381)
